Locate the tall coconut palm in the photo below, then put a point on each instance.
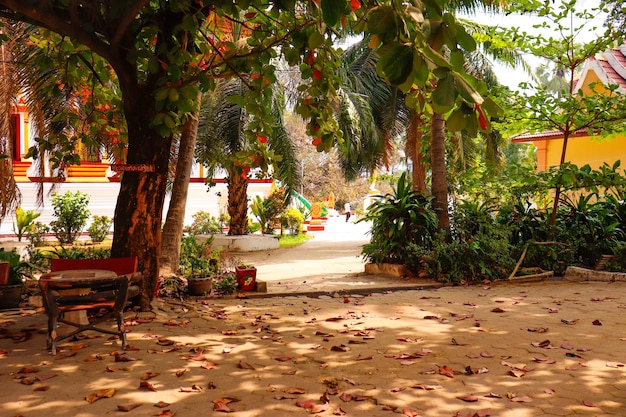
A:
(223, 143)
(23, 73)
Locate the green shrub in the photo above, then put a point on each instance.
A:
(399, 219)
(253, 227)
(99, 228)
(267, 210)
(196, 257)
(225, 283)
(70, 210)
(37, 234)
(75, 252)
(18, 269)
(292, 220)
(205, 224)
(486, 256)
(24, 220)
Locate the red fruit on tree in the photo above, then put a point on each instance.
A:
(355, 4)
(317, 74)
(262, 138)
(482, 120)
(316, 141)
(310, 58)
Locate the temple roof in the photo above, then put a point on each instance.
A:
(610, 66)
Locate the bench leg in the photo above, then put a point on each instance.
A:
(119, 315)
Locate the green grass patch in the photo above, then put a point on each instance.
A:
(289, 241)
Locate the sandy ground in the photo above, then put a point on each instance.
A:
(535, 349)
(550, 348)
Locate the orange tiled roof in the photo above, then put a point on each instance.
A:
(528, 137)
(610, 66)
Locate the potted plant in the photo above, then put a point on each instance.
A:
(198, 264)
(11, 290)
(246, 277)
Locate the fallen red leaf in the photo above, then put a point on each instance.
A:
(589, 404)
(320, 408)
(410, 412)
(305, 404)
(149, 375)
(103, 393)
(128, 407)
(345, 397)
(147, 385)
(341, 348)
(221, 406)
(446, 371)
(468, 398)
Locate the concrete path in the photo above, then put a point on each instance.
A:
(330, 262)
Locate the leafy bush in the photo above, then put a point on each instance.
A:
(196, 257)
(18, 269)
(487, 256)
(75, 252)
(23, 223)
(37, 234)
(268, 209)
(292, 220)
(205, 224)
(399, 218)
(253, 227)
(225, 283)
(71, 212)
(99, 228)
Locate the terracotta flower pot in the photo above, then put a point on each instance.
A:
(199, 285)
(10, 296)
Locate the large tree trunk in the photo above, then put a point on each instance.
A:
(238, 204)
(175, 220)
(139, 209)
(438, 166)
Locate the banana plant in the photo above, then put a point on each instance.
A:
(24, 220)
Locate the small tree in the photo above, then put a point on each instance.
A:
(601, 111)
(71, 212)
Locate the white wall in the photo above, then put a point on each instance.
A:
(103, 197)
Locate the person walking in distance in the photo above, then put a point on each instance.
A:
(347, 209)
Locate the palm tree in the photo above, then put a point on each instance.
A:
(25, 71)
(222, 143)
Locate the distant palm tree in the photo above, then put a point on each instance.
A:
(222, 143)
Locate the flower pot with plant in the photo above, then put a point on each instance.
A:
(246, 277)
(199, 263)
(16, 271)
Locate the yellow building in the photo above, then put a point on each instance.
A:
(606, 68)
